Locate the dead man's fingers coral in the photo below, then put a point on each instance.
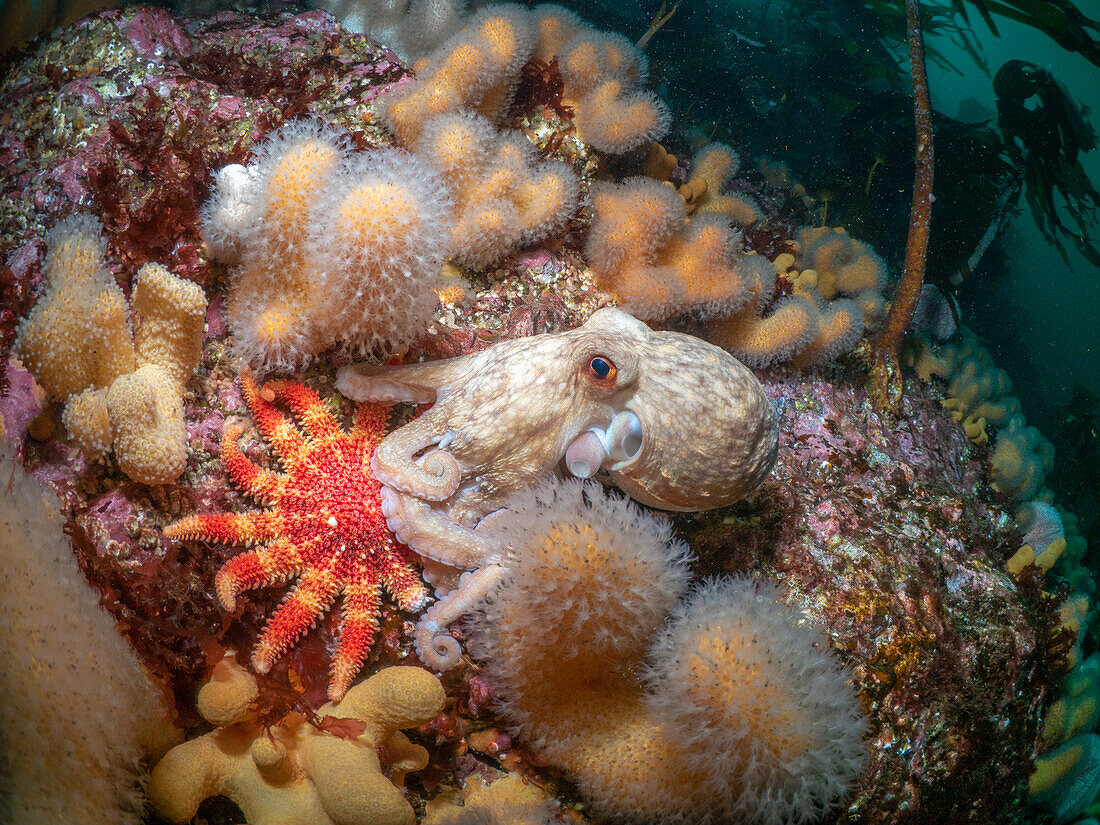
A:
(145, 410)
(740, 677)
(332, 247)
(615, 119)
(476, 68)
(122, 390)
(504, 195)
(712, 168)
(377, 238)
(589, 577)
(169, 318)
(77, 336)
(741, 714)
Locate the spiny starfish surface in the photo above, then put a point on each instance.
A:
(324, 527)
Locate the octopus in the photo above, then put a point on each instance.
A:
(671, 420)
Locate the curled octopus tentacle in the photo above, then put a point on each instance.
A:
(432, 534)
(435, 477)
(437, 649)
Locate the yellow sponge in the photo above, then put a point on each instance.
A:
(293, 771)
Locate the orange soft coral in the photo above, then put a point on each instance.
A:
(330, 247)
(712, 169)
(325, 527)
(479, 67)
(642, 250)
(732, 710)
(845, 267)
(614, 118)
(825, 313)
(122, 391)
(504, 195)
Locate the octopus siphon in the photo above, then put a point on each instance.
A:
(674, 422)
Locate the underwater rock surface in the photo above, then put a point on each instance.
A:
(887, 535)
(882, 534)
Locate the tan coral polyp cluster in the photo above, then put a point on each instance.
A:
(479, 67)
(122, 391)
(642, 249)
(725, 710)
(664, 252)
(332, 247)
(291, 190)
(761, 340)
(712, 169)
(977, 396)
(845, 267)
(825, 313)
(504, 196)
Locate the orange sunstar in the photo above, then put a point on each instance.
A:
(324, 527)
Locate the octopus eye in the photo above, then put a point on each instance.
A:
(602, 369)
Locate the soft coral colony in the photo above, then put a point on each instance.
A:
(766, 692)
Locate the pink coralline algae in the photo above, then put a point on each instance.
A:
(885, 534)
(129, 111)
(888, 536)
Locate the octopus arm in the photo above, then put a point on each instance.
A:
(408, 384)
(435, 648)
(431, 533)
(395, 463)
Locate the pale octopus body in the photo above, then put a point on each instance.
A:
(673, 421)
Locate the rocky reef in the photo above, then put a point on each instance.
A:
(888, 536)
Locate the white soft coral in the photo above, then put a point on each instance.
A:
(328, 247)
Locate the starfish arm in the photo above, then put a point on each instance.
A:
(358, 627)
(308, 409)
(300, 610)
(227, 528)
(263, 485)
(284, 437)
(272, 564)
(370, 423)
(401, 580)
